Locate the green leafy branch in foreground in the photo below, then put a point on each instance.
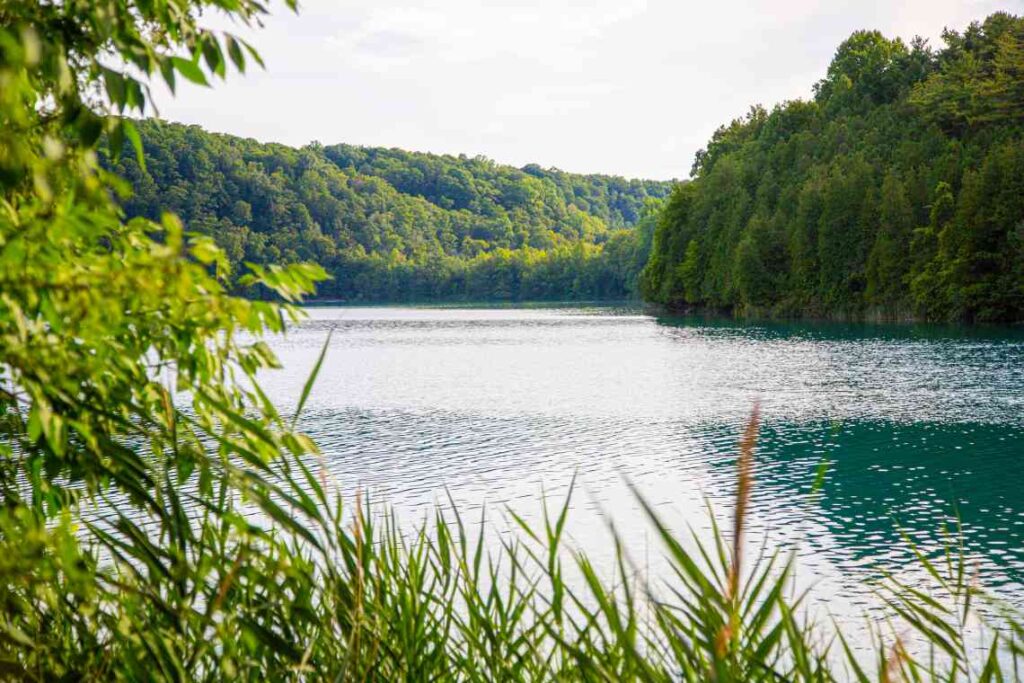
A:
(125, 367)
(101, 318)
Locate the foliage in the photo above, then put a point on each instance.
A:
(490, 189)
(321, 592)
(393, 225)
(160, 520)
(124, 364)
(898, 191)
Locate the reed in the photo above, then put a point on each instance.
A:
(287, 582)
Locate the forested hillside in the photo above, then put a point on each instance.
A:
(489, 189)
(391, 225)
(897, 191)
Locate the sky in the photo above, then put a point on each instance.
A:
(625, 87)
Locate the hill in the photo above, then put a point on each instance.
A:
(391, 225)
(896, 192)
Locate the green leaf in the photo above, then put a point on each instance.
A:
(190, 70)
(236, 54)
(115, 86)
(213, 56)
(254, 54)
(819, 477)
(167, 71)
(132, 133)
(88, 126)
(115, 141)
(308, 386)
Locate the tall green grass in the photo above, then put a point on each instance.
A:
(287, 582)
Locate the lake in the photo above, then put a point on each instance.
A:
(919, 426)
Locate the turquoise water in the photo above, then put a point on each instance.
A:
(920, 426)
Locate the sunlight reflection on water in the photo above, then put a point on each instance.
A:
(497, 405)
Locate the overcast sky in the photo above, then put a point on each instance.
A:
(628, 87)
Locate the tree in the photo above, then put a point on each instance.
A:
(262, 201)
(864, 72)
(896, 190)
(123, 374)
(888, 263)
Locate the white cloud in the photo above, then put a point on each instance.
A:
(623, 86)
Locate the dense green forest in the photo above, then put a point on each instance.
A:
(390, 225)
(896, 192)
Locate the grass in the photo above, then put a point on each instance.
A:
(308, 589)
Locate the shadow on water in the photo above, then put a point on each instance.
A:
(845, 331)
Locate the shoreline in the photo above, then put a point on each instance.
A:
(745, 314)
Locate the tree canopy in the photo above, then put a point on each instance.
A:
(898, 191)
(394, 225)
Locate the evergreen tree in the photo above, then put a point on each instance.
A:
(898, 189)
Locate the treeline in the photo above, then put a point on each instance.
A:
(486, 188)
(393, 226)
(583, 270)
(897, 191)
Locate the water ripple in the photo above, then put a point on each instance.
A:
(921, 426)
